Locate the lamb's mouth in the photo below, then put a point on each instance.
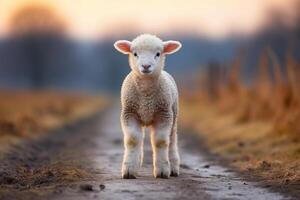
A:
(146, 71)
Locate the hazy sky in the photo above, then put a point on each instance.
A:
(214, 18)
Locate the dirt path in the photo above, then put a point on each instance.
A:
(83, 162)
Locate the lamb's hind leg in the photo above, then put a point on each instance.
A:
(160, 140)
(133, 141)
(173, 151)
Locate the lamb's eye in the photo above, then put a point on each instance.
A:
(135, 54)
(157, 54)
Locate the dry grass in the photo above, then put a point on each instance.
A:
(273, 96)
(25, 114)
(257, 126)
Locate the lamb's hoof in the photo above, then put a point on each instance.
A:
(174, 174)
(128, 176)
(174, 170)
(163, 172)
(162, 175)
(128, 172)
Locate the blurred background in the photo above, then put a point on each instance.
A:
(238, 73)
(67, 45)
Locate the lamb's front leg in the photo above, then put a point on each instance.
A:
(160, 140)
(133, 137)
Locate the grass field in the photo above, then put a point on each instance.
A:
(26, 114)
(256, 126)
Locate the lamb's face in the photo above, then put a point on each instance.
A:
(146, 56)
(147, 53)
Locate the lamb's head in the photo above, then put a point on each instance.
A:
(147, 53)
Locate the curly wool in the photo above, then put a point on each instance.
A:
(145, 98)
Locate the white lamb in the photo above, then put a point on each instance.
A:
(149, 98)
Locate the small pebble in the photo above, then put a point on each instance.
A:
(102, 187)
(184, 166)
(86, 187)
(206, 166)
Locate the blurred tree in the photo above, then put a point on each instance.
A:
(36, 28)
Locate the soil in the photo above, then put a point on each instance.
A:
(83, 161)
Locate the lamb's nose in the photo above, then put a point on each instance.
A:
(146, 66)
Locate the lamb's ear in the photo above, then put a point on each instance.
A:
(171, 46)
(123, 46)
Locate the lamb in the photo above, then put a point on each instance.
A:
(149, 98)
